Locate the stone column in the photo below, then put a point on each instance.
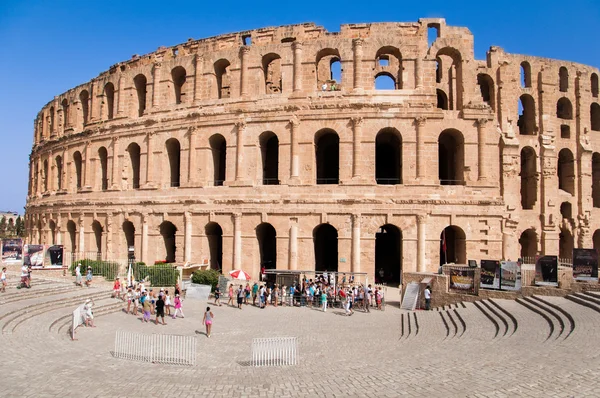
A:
(145, 237)
(198, 61)
(237, 241)
(109, 235)
(192, 180)
(294, 155)
(481, 140)
(81, 235)
(115, 165)
(357, 123)
(419, 72)
(149, 158)
(63, 173)
(357, 46)
(58, 230)
(188, 237)
(87, 175)
(421, 160)
(239, 148)
(297, 48)
(355, 242)
(120, 96)
(244, 71)
(156, 84)
(421, 243)
(293, 259)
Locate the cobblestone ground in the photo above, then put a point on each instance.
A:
(503, 349)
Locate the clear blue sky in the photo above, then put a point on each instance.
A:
(47, 47)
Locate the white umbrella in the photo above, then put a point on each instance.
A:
(239, 274)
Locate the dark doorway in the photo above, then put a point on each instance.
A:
(267, 244)
(174, 153)
(214, 234)
(388, 157)
(453, 246)
(529, 178)
(528, 242)
(168, 230)
(328, 157)
(129, 231)
(218, 147)
(98, 230)
(451, 158)
(388, 255)
(103, 156)
(325, 239)
(134, 157)
(72, 230)
(269, 148)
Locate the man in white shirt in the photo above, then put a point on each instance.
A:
(427, 294)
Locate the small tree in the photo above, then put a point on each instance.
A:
(206, 277)
(3, 226)
(20, 227)
(10, 228)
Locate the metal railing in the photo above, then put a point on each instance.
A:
(275, 351)
(155, 348)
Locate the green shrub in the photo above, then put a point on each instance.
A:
(158, 275)
(206, 277)
(109, 270)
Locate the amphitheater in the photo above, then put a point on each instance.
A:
(300, 149)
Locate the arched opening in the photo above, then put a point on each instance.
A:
(563, 76)
(78, 162)
(103, 156)
(174, 153)
(59, 171)
(109, 94)
(433, 32)
(451, 157)
(486, 88)
(566, 171)
(451, 61)
(325, 238)
(564, 109)
(438, 70)
(218, 148)
(385, 81)
(528, 242)
(529, 177)
(565, 244)
(594, 84)
(129, 232)
(267, 245)
(51, 120)
(596, 239)
(66, 116)
(178, 74)
(45, 175)
(269, 148)
(596, 179)
(453, 247)
(223, 78)
(72, 231)
(140, 83)
(134, 158)
(525, 74)
(168, 231)
(442, 99)
(595, 116)
(388, 157)
(327, 144)
(388, 255)
(329, 71)
(52, 226)
(388, 69)
(97, 229)
(214, 234)
(272, 73)
(566, 210)
(84, 98)
(526, 120)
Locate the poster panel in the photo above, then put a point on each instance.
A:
(33, 255)
(54, 256)
(546, 271)
(12, 250)
(585, 264)
(510, 272)
(462, 280)
(490, 274)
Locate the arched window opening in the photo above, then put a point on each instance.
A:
(288, 40)
(59, 171)
(129, 232)
(564, 109)
(98, 230)
(72, 231)
(218, 148)
(384, 60)
(325, 238)
(329, 69)
(565, 244)
(174, 154)
(214, 234)
(526, 120)
(566, 210)
(451, 157)
(51, 225)
(566, 171)
(565, 131)
(594, 83)
(595, 116)
(272, 70)
(438, 70)
(103, 156)
(529, 178)
(223, 78)
(269, 148)
(525, 74)
(84, 98)
(109, 93)
(134, 162)
(453, 247)
(78, 163)
(45, 179)
(450, 60)
(267, 245)
(388, 255)
(433, 32)
(140, 82)
(51, 120)
(486, 87)
(36, 172)
(442, 100)
(66, 116)
(247, 40)
(168, 231)
(178, 74)
(563, 76)
(528, 242)
(596, 179)
(388, 69)
(328, 157)
(596, 239)
(388, 157)
(384, 81)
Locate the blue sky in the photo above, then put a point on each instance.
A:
(48, 47)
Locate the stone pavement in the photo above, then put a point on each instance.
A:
(497, 348)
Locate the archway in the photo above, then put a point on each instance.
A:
(129, 232)
(388, 157)
(528, 242)
(103, 156)
(596, 239)
(178, 74)
(109, 93)
(134, 157)
(566, 171)
(72, 231)
(168, 231)
(269, 148)
(218, 148)
(565, 244)
(528, 176)
(267, 245)
(526, 121)
(97, 229)
(388, 255)
(451, 157)
(174, 154)
(325, 238)
(453, 248)
(327, 144)
(596, 179)
(78, 162)
(51, 225)
(214, 234)
(140, 88)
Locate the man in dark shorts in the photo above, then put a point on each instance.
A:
(240, 296)
(160, 308)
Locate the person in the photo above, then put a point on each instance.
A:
(88, 314)
(324, 300)
(240, 297)
(230, 301)
(178, 309)
(129, 297)
(367, 298)
(208, 320)
(254, 293)
(177, 289)
(324, 87)
(117, 288)
(217, 296)
(3, 279)
(147, 306)
(160, 309)
(427, 294)
(168, 302)
(78, 275)
(136, 301)
(263, 275)
(275, 296)
(261, 296)
(379, 297)
(88, 277)
(283, 295)
(246, 293)
(25, 276)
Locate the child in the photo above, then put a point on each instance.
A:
(87, 311)
(129, 299)
(324, 300)
(88, 277)
(178, 308)
(3, 279)
(160, 309)
(230, 301)
(378, 297)
(117, 288)
(147, 307)
(217, 296)
(136, 301)
(167, 302)
(208, 320)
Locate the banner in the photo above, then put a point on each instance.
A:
(490, 274)
(12, 250)
(585, 264)
(462, 280)
(54, 256)
(546, 271)
(510, 274)
(33, 255)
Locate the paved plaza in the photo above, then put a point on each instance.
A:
(497, 348)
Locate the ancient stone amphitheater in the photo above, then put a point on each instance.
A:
(296, 148)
